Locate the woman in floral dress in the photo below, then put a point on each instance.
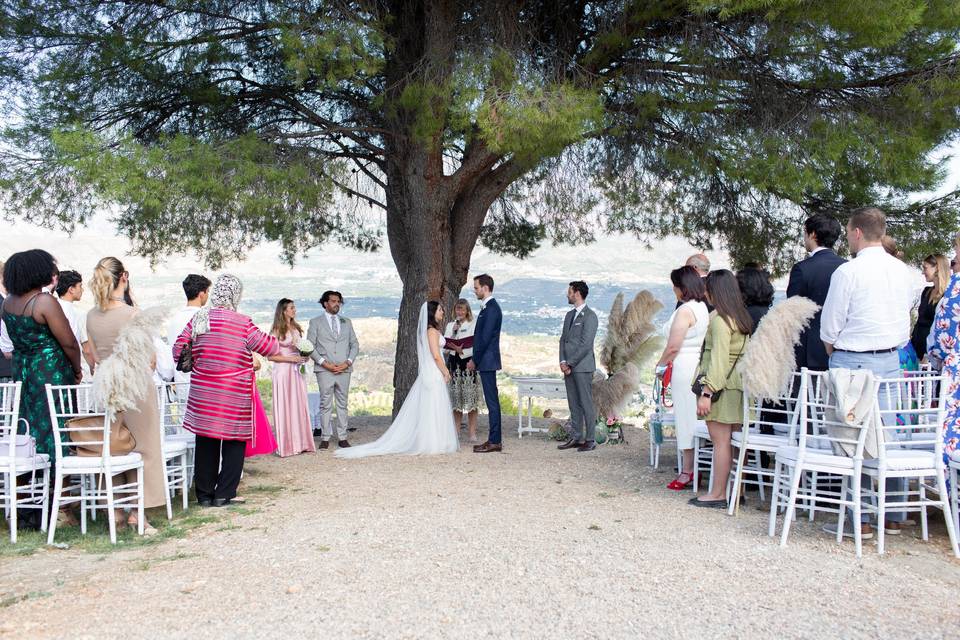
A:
(945, 350)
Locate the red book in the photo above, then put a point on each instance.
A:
(463, 343)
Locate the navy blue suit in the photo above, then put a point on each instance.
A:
(810, 278)
(486, 359)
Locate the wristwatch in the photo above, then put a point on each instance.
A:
(706, 394)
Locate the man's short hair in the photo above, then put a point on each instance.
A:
(826, 229)
(329, 294)
(195, 284)
(580, 287)
(485, 281)
(700, 262)
(871, 221)
(67, 280)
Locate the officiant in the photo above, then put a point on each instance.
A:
(465, 391)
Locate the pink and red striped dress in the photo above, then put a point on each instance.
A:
(221, 403)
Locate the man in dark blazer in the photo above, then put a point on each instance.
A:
(578, 364)
(486, 358)
(810, 278)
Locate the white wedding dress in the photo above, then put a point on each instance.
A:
(424, 424)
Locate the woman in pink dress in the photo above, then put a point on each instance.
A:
(291, 415)
(263, 441)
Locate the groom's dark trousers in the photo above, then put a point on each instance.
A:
(486, 360)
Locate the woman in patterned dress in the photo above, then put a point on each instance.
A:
(220, 407)
(946, 352)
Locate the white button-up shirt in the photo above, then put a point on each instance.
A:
(869, 303)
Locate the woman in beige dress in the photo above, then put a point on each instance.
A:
(114, 309)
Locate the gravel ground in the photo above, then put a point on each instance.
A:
(531, 543)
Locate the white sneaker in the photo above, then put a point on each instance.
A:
(831, 528)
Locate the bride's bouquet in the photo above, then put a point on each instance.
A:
(305, 347)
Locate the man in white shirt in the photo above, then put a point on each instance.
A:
(197, 289)
(70, 290)
(866, 316)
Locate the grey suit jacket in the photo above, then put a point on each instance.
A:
(328, 346)
(576, 341)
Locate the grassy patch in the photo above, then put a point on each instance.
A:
(97, 539)
(12, 600)
(244, 511)
(268, 489)
(147, 563)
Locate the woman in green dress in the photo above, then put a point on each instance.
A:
(721, 402)
(45, 350)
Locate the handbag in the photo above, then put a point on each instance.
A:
(701, 380)
(185, 361)
(24, 444)
(122, 441)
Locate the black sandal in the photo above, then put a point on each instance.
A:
(708, 504)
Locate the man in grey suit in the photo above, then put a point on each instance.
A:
(335, 349)
(578, 365)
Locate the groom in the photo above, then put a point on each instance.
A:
(486, 357)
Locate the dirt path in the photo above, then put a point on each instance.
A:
(531, 543)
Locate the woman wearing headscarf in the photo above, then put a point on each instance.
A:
(220, 407)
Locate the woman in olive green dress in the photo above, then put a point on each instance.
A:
(45, 350)
(721, 402)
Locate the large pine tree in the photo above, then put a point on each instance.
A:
(211, 125)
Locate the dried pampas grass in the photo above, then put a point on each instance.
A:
(610, 395)
(121, 379)
(769, 360)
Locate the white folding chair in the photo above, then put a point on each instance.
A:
(702, 455)
(173, 408)
(175, 451)
(100, 492)
(780, 414)
(954, 470)
(668, 421)
(820, 448)
(910, 447)
(24, 480)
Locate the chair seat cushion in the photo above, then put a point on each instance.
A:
(905, 460)
(758, 439)
(174, 448)
(117, 463)
(701, 431)
(39, 461)
(789, 454)
(955, 456)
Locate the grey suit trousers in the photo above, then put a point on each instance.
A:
(333, 387)
(583, 415)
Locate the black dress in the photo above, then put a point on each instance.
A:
(921, 330)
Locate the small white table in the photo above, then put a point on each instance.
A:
(530, 388)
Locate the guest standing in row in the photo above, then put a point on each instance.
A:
(757, 291)
(866, 317)
(6, 347)
(113, 311)
(465, 391)
(45, 351)
(810, 278)
(936, 271)
(196, 288)
(945, 350)
(721, 399)
(219, 408)
(69, 292)
(291, 414)
(688, 328)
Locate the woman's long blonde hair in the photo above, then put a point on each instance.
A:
(106, 278)
(941, 277)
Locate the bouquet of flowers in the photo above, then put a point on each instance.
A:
(305, 347)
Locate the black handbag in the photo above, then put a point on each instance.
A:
(185, 361)
(700, 381)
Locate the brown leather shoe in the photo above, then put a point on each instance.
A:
(477, 447)
(487, 447)
(343, 444)
(324, 444)
(570, 444)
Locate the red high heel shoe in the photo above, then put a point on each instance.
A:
(676, 485)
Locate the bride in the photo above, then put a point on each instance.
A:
(424, 424)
